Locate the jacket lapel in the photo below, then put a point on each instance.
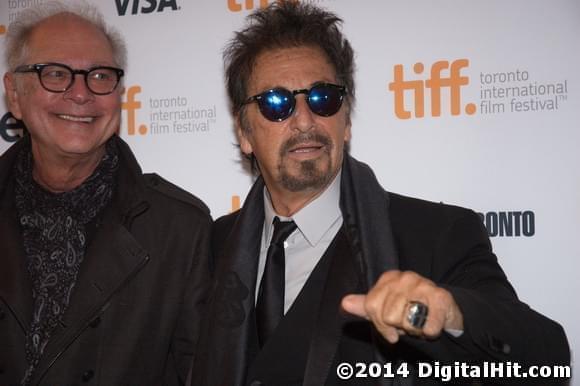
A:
(15, 286)
(231, 334)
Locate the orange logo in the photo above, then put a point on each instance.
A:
(239, 5)
(454, 81)
(235, 203)
(2, 29)
(131, 105)
(235, 6)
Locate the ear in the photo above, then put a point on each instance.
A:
(347, 132)
(12, 95)
(243, 134)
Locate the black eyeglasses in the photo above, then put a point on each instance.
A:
(57, 77)
(277, 104)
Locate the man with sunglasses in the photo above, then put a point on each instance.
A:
(99, 283)
(322, 275)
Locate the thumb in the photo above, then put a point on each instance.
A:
(355, 304)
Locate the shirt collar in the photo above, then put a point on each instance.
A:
(314, 219)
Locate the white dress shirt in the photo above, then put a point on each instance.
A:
(317, 225)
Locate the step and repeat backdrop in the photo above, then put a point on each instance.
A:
(473, 103)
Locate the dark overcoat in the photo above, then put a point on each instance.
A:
(134, 314)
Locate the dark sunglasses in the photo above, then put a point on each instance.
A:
(277, 104)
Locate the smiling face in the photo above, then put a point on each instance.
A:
(74, 124)
(303, 153)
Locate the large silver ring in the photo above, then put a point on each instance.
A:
(417, 315)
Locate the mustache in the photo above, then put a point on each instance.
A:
(305, 138)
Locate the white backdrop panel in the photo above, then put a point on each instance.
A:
(501, 155)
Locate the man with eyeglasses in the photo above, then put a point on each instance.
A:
(103, 269)
(324, 278)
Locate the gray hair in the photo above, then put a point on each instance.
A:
(20, 29)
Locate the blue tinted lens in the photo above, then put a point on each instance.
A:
(325, 99)
(276, 104)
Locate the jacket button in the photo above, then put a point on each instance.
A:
(95, 322)
(88, 375)
(498, 345)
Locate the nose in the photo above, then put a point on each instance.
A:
(302, 117)
(78, 92)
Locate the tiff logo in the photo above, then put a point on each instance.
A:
(239, 5)
(149, 7)
(454, 81)
(131, 105)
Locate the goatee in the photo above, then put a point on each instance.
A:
(311, 174)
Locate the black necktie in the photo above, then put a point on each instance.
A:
(270, 304)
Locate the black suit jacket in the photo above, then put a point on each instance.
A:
(446, 244)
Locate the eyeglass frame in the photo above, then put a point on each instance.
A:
(38, 67)
(306, 91)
